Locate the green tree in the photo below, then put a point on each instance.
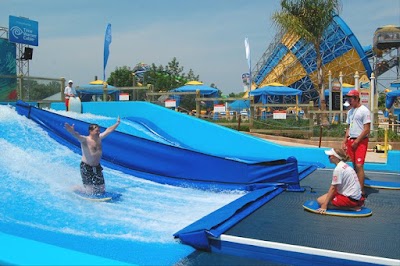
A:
(121, 77)
(171, 76)
(163, 78)
(157, 77)
(176, 76)
(32, 90)
(382, 101)
(308, 19)
(191, 76)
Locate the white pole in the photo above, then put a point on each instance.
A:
(330, 94)
(248, 57)
(341, 96)
(372, 87)
(356, 81)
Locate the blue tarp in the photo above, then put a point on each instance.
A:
(173, 164)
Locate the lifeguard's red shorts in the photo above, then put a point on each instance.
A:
(357, 156)
(66, 103)
(340, 200)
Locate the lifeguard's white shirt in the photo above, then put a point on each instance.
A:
(357, 118)
(346, 181)
(69, 90)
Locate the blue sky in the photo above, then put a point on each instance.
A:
(206, 35)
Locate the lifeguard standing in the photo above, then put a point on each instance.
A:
(69, 91)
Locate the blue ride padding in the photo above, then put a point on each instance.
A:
(168, 161)
(381, 184)
(204, 136)
(154, 129)
(217, 222)
(220, 141)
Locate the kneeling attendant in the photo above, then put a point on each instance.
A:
(345, 190)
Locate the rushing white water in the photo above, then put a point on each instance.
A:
(38, 174)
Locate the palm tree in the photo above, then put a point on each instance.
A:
(308, 19)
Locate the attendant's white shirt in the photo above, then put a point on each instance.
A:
(346, 181)
(69, 90)
(357, 118)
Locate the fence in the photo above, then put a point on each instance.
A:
(309, 123)
(31, 89)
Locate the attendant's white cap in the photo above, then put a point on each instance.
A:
(70, 81)
(346, 104)
(333, 152)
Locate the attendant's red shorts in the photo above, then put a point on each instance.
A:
(66, 103)
(340, 200)
(357, 155)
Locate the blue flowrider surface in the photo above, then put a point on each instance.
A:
(107, 196)
(381, 184)
(313, 206)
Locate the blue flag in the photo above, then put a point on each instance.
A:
(107, 42)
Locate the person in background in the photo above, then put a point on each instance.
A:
(69, 91)
(355, 142)
(345, 189)
(91, 170)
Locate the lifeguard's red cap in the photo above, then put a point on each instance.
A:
(353, 93)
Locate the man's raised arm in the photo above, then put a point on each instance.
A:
(71, 130)
(110, 129)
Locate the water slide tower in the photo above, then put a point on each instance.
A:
(386, 47)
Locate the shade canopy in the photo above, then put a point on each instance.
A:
(204, 90)
(87, 91)
(274, 89)
(239, 105)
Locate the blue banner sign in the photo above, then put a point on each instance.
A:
(23, 30)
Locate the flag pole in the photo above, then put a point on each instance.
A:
(248, 57)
